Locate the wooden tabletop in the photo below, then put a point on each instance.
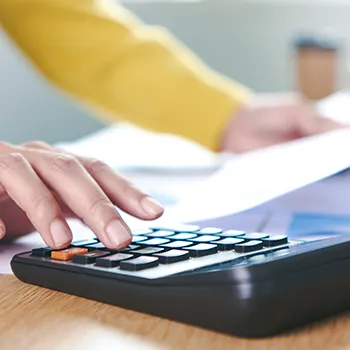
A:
(37, 318)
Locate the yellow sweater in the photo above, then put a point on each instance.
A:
(105, 57)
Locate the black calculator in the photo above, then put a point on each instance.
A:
(249, 284)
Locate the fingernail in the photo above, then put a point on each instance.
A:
(151, 206)
(118, 234)
(60, 233)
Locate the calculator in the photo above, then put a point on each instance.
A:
(248, 284)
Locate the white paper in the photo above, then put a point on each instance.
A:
(260, 176)
(336, 107)
(128, 148)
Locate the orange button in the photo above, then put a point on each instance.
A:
(67, 254)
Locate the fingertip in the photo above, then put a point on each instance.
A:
(60, 233)
(62, 246)
(117, 235)
(151, 207)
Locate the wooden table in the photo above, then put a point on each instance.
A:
(36, 318)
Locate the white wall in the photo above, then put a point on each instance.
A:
(249, 42)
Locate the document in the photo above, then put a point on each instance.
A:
(165, 166)
(128, 148)
(336, 107)
(263, 175)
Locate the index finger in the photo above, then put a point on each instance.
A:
(80, 192)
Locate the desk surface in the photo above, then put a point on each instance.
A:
(36, 318)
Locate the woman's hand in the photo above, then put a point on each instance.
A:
(41, 186)
(270, 120)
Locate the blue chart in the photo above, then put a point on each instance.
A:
(317, 225)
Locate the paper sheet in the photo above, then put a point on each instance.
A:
(165, 166)
(336, 107)
(128, 148)
(260, 176)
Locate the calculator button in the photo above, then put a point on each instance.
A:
(161, 234)
(141, 232)
(250, 246)
(275, 241)
(155, 241)
(205, 239)
(183, 236)
(202, 249)
(129, 247)
(67, 254)
(112, 260)
(140, 263)
(232, 233)
(177, 244)
(136, 239)
(255, 236)
(173, 256)
(177, 228)
(228, 243)
(42, 252)
(89, 258)
(84, 242)
(147, 250)
(98, 245)
(210, 231)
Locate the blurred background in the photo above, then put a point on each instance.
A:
(281, 45)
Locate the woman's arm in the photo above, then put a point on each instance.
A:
(105, 57)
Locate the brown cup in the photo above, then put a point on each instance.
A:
(316, 69)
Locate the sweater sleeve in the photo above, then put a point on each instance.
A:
(99, 53)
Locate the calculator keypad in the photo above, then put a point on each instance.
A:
(250, 246)
(129, 248)
(164, 251)
(228, 243)
(147, 251)
(113, 260)
(202, 249)
(136, 239)
(155, 241)
(178, 244)
(90, 257)
(255, 236)
(173, 256)
(161, 234)
(232, 233)
(42, 252)
(275, 241)
(96, 245)
(182, 236)
(205, 239)
(67, 254)
(210, 231)
(140, 263)
(85, 242)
